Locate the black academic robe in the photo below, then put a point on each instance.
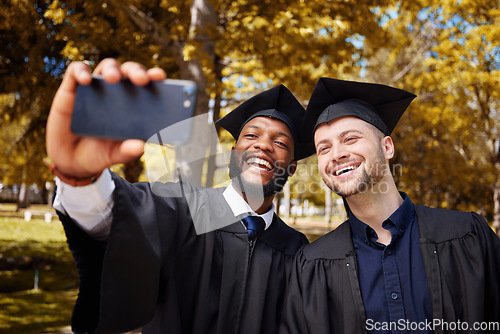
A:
(462, 263)
(155, 272)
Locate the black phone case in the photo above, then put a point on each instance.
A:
(126, 111)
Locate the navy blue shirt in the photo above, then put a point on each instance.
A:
(392, 278)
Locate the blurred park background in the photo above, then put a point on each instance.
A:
(447, 144)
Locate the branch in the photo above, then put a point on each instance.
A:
(35, 124)
(150, 27)
(496, 146)
(423, 49)
(484, 109)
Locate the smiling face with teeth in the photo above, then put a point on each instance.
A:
(352, 155)
(263, 157)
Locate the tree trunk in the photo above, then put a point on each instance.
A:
(286, 199)
(496, 186)
(44, 194)
(277, 202)
(202, 14)
(212, 161)
(23, 200)
(50, 193)
(188, 155)
(211, 165)
(496, 207)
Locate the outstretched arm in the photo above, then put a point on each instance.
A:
(80, 158)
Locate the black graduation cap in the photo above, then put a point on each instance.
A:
(379, 105)
(277, 102)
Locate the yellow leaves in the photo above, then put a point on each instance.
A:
(188, 51)
(444, 139)
(316, 21)
(7, 100)
(139, 37)
(432, 144)
(255, 22)
(247, 20)
(72, 52)
(260, 77)
(304, 32)
(55, 13)
(444, 205)
(339, 25)
(495, 12)
(174, 10)
(245, 73)
(285, 19)
(241, 67)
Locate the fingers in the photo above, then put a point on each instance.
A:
(132, 149)
(77, 72)
(136, 73)
(139, 75)
(76, 155)
(109, 69)
(156, 73)
(112, 71)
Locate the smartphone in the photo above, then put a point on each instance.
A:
(125, 111)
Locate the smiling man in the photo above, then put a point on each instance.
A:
(260, 173)
(260, 160)
(392, 267)
(140, 259)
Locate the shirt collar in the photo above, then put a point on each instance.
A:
(400, 219)
(404, 215)
(240, 207)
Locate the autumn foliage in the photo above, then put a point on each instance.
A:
(446, 52)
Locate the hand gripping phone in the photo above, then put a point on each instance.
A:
(125, 111)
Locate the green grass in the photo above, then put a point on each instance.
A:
(35, 311)
(34, 246)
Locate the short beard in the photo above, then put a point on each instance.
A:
(274, 186)
(368, 179)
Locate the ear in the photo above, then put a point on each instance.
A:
(292, 167)
(387, 147)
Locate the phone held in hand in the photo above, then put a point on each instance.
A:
(125, 111)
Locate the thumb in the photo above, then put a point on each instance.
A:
(128, 150)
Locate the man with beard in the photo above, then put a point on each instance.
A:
(392, 267)
(140, 259)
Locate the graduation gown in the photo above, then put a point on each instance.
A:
(155, 272)
(462, 264)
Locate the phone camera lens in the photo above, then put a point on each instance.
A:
(188, 91)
